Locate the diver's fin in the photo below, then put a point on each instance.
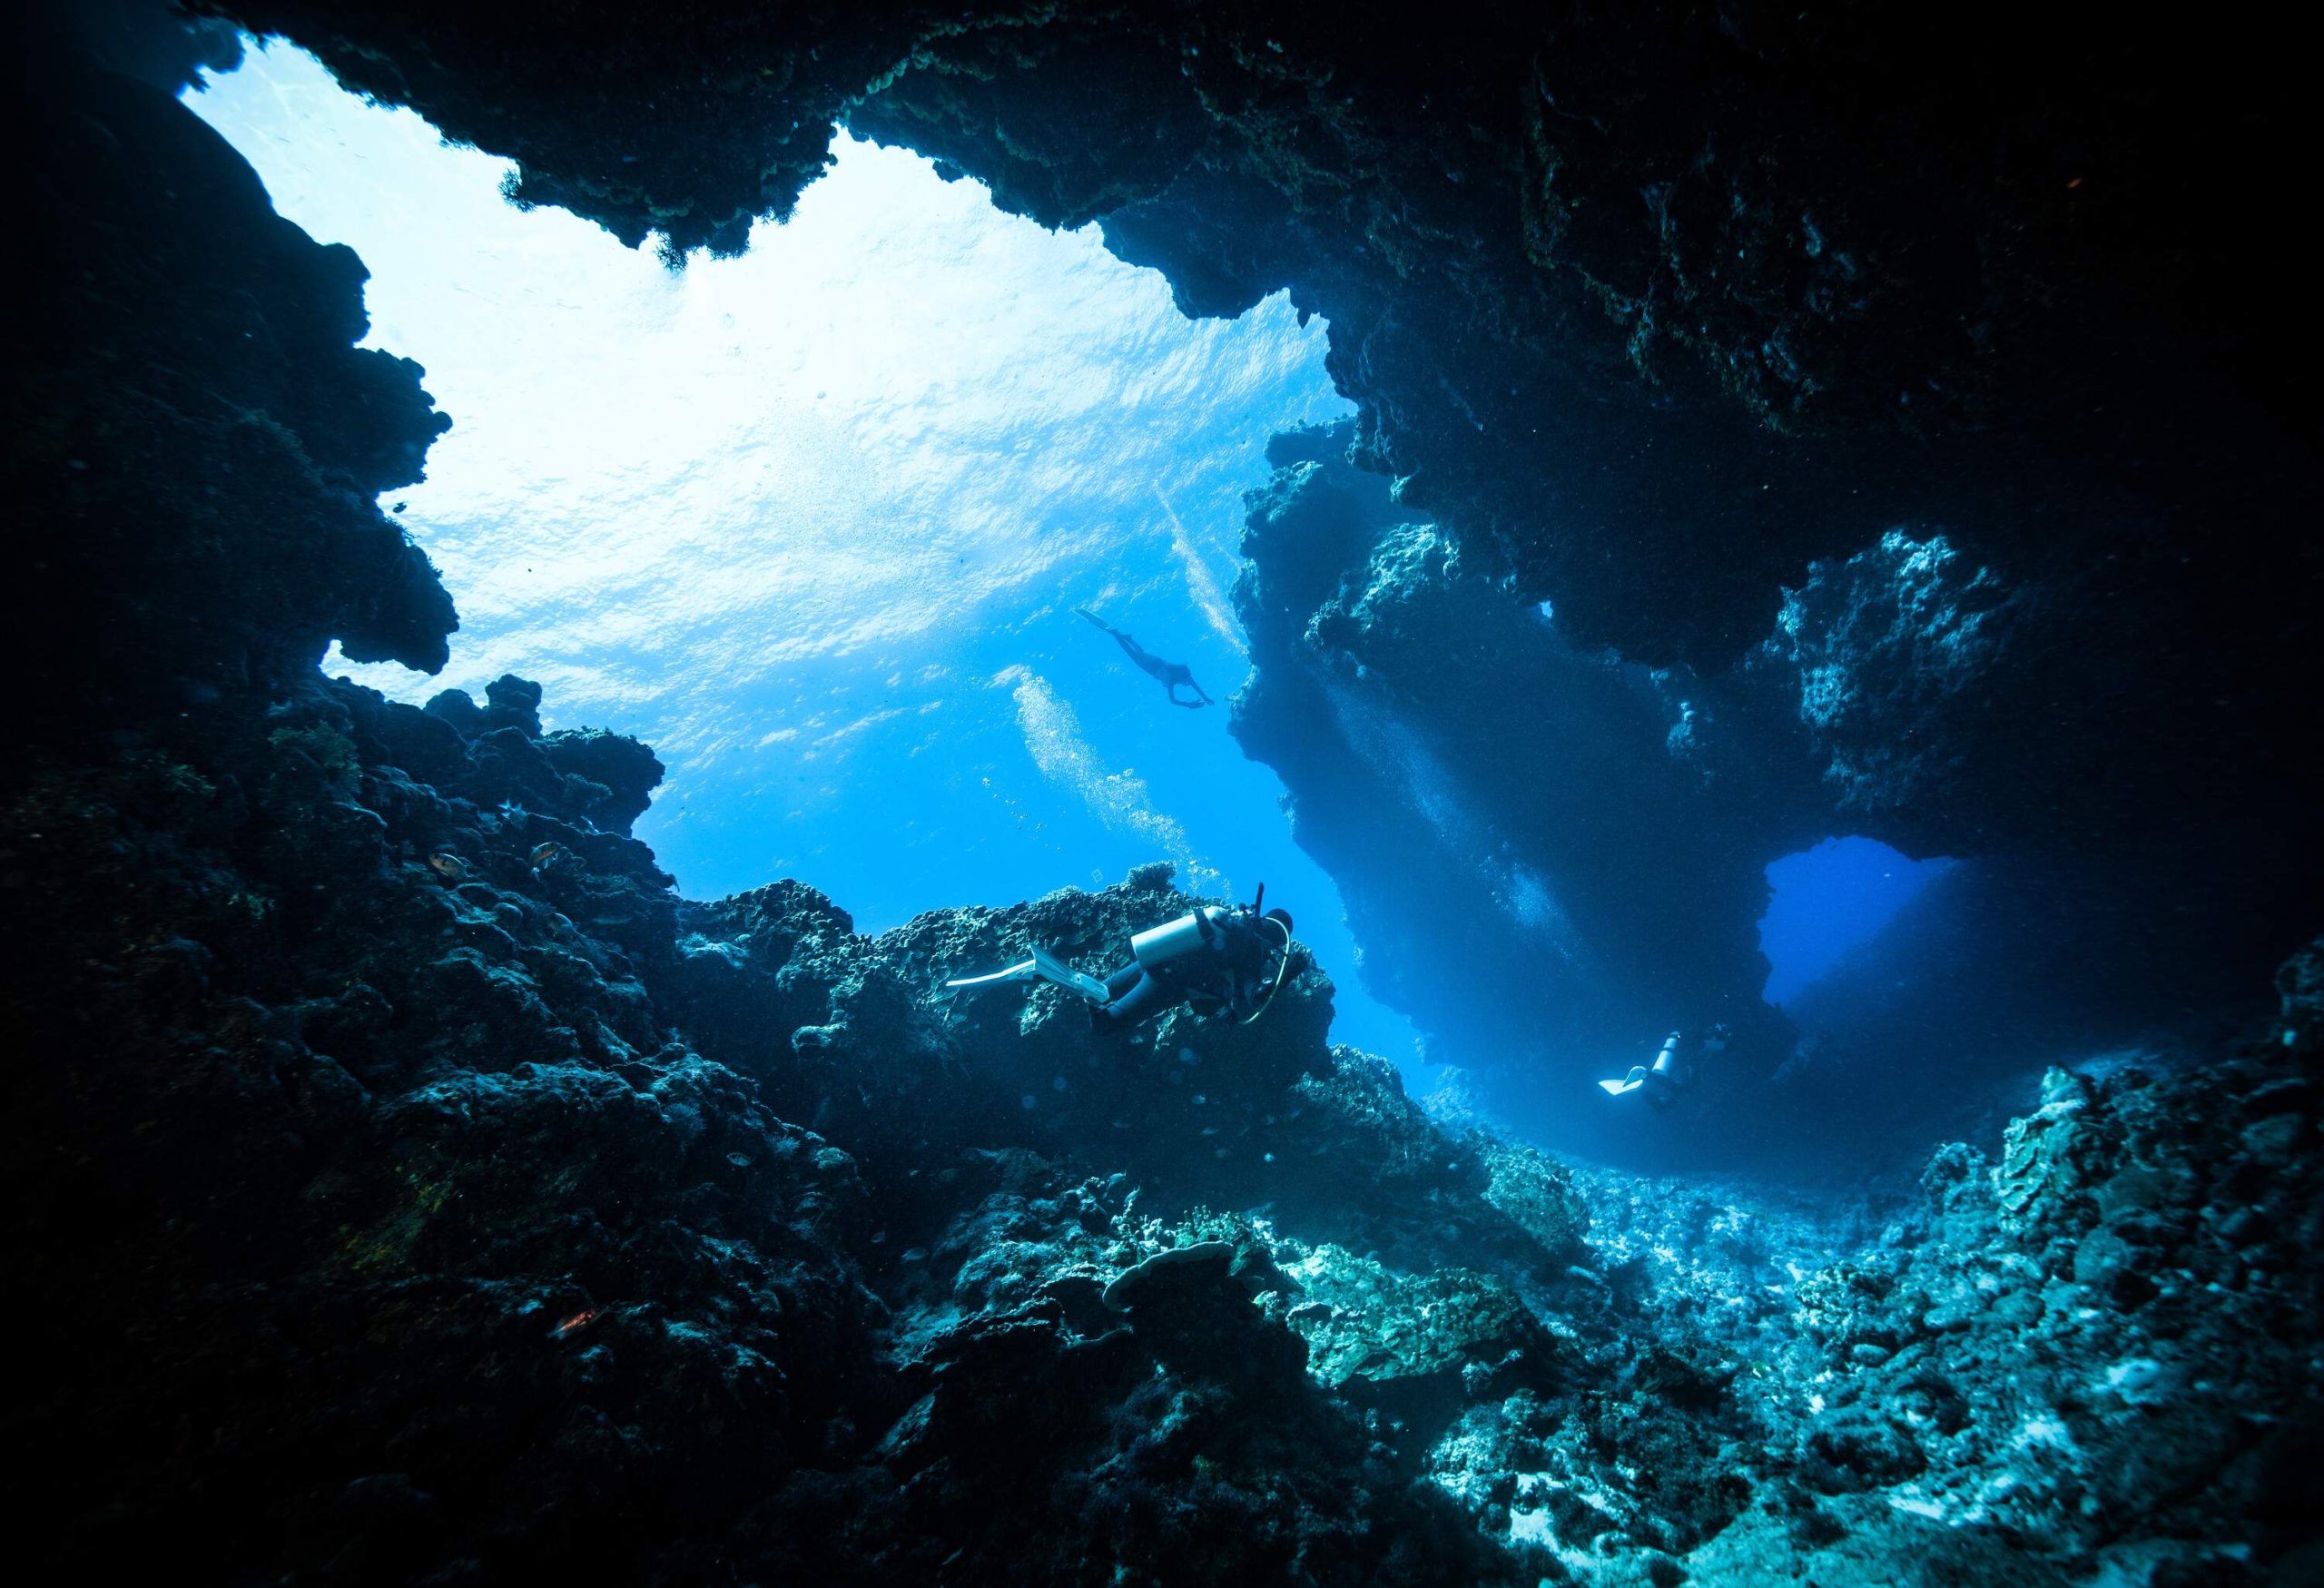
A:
(1024, 971)
(1049, 968)
(1628, 1083)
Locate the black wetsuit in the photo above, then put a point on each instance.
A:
(1170, 675)
(1228, 968)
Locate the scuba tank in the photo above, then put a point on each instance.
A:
(1193, 947)
(1174, 946)
(1192, 954)
(1670, 1073)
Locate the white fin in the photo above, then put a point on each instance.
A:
(1024, 971)
(1050, 967)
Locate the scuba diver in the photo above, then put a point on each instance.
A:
(1218, 961)
(1170, 675)
(1673, 1072)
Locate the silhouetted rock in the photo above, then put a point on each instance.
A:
(358, 1082)
(1859, 382)
(409, 1187)
(197, 490)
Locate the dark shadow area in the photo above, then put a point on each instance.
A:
(1924, 414)
(1554, 856)
(1904, 423)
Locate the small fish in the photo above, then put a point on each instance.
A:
(545, 852)
(448, 865)
(739, 1159)
(575, 1324)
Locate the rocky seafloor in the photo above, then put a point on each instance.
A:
(411, 1186)
(402, 1183)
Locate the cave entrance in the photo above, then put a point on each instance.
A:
(1828, 899)
(814, 520)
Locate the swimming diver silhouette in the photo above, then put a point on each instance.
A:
(1170, 675)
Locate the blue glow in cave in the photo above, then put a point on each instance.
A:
(1830, 900)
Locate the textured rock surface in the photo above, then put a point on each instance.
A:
(414, 1186)
(1595, 833)
(1587, 267)
(1939, 374)
(402, 1183)
(193, 439)
(1584, 840)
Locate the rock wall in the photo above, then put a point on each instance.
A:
(194, 442)
(1944, 363)
(402, 1183)
(414, 1189)
(1580, 843)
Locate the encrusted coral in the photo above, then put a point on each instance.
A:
(408, 1187)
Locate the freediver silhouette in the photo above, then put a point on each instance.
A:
(1170, 675)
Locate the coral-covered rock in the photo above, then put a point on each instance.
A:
(1919, 386)
(1892, 648)
(1596, 833)
(354, 1089)
(411, 1188)
(187, 335)
(2300, 986)
(1410, 1340)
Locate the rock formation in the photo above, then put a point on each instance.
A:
(415, 1190)
(1583, 841)
(195, 445)
(1587, 837)
(405, 1185)
(1942, 372)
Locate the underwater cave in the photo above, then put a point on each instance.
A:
(1829, 901)
(661, 655)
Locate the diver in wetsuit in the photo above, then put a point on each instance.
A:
(1214, 958)
(1673, 1072)
(1170, 675)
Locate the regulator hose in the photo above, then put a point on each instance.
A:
(1281, 971)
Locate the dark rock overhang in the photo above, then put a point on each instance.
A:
(1647, 298)
(1658, 314)
(1650, 307)
(411, 1188)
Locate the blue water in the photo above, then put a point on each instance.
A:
(812, 522)
(1830, 899)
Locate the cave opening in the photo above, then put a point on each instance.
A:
(1774, 433)
(843, 659)
(1828, 901)
(814, 520)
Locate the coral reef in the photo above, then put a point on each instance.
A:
(1597, 831)
(415, 1188)
(1942, 397)
(194, 442)
(1651, 307)
(386, 1223)
(405, 1185)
